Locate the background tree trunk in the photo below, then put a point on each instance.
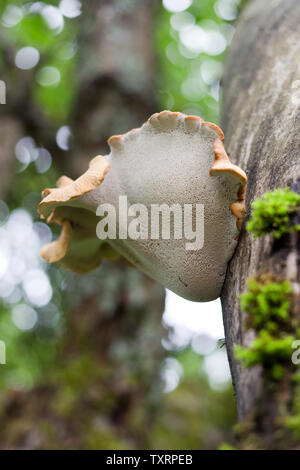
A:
(10, 132)
(261, 122)
(116, 73)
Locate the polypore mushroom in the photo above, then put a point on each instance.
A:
(171, 159)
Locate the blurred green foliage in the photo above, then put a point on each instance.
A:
(190, 74)
(32, 352)
(56, 48)
(195, 415)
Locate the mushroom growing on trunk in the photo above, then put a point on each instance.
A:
(171, 202)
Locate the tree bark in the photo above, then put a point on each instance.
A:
(10, 132)
(261, 122)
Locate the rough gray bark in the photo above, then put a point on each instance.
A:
(261, 122)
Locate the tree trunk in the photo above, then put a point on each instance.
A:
(117, 71)
(10, 133)
(261, 122)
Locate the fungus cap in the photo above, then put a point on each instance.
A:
(172, 160)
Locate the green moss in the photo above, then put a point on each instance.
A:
(226, 446)
(267, 304)
(272, 213)
(268, 351)
(268, 307)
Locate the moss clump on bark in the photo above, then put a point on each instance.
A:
(272, 213)
(267, 304)
(268, 351)
(270, 304)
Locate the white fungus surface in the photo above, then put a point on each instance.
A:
(167, 161)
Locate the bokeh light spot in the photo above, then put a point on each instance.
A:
(193, 38)
(53, 18)
(37, 287)
(177, 5)
(12, 16)
(171, 373)
(24, 317)
(217, 368)
(70, 8)
(182, 20)
(62, 137)
(27, 58)
(214, 42)
(44, 160)
(226, 9)
(48, 76)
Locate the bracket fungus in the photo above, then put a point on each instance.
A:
(172, 161)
